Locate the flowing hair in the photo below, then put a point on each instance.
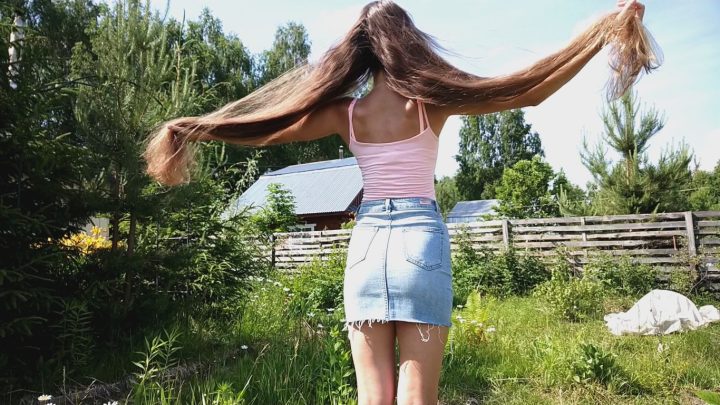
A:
(385, 38)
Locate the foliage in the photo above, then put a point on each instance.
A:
(291, 48)
(152, 379)
(93, 81)
(569, 296)
(487, 272)
(74, 336)
(524, 190)
(338, 373)
(446, 194)
(710, 397)
(594, 365)
(349, 224)
(683, 280)
(633, 185)
(705, 190)
(568, 197)
(43, 172)
(278, 213)
(318, 285)
(622, 275)
(489, 144)
(474, 317)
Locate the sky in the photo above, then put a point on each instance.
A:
(496, 37)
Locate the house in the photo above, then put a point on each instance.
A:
(472, 211)
(326, 193)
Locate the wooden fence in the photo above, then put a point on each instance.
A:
(666, 240)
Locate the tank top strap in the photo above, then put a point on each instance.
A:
(350, 114)
(422, 115)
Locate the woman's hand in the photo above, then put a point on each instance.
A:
(631, 6)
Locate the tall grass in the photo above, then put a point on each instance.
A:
(511, 350)
(286, 346)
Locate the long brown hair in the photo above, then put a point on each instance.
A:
(385, 37)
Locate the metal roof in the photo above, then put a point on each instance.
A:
(470, 211)
(319, 187)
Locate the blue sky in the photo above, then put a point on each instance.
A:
(496, 37)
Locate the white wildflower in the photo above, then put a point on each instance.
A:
(490, 329)
(330, 309)
(311, 314)
(458, 306)
(44, 397)
(320, 326)
(286, 289)
(244, 347)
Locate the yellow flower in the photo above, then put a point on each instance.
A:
(87, 243)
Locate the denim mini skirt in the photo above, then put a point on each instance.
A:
(398, 264)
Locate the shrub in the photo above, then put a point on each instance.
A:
(500, 274)
(622, 275)
(319, 284)
(527, 272)
(576, 299)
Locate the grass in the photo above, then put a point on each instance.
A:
(501, 351)
(529, 359)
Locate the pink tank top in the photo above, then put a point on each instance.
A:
(398, 169)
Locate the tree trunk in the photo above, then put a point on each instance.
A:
(130, 274)
(115, 219)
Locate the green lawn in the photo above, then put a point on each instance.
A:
(520, 355)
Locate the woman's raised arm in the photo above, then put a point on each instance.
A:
(551, 84)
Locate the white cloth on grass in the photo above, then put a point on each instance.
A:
(661, 312)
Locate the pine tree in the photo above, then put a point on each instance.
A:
(633, 185)
(133, 79)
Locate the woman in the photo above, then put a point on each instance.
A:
(397, 277)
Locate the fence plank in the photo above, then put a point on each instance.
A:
(609, 227)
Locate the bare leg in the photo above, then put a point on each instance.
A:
(373, 352)
(421, 354)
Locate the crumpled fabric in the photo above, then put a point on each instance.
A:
(660, 312)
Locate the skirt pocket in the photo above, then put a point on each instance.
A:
(424, 246)
(361, 238)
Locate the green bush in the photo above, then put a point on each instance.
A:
(527, 272)
(622, 275)
(494, 273)
(576, 299)
(319, 284)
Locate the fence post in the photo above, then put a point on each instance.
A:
(584, 238)
(272, 250)
(690, 226)
(506, 233)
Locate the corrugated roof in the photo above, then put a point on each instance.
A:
(306, 167)
(320, 187)
(469, 211)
